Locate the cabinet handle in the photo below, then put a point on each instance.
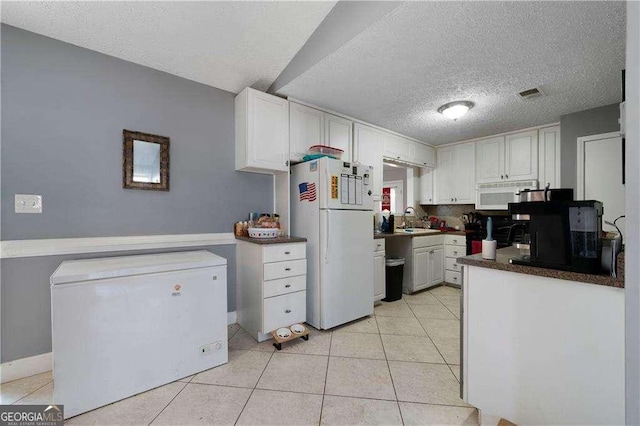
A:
(287, 252)
(287, 269)
(287, 286)
(452, 199)
(288, 311)
(214, 278)
(506, 176)
(455, 265)
(455, 241)
(501, 176)
(455, 252)
(429, 199)
(431, 252)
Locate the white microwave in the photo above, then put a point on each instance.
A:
(497, 195)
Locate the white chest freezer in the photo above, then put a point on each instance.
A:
(124, 325)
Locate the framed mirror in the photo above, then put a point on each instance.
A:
(145, 161)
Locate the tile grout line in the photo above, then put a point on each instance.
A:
(31, 393)
(326, 374)
(169, 403)
(386, 359)
(254, 388)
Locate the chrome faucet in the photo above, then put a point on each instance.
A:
(404, 215)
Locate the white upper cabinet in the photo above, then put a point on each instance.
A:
(338, 133)
(490, 160)
(309, 126)
(396, 147)
(423, 155)
(521, 156)
(306, 127)
(368, 149)
(549, 156)
(427, 187)
(262, 132)
(455, 176)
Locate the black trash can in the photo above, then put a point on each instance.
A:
(393, 278)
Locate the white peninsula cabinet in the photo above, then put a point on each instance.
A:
(262, 132)
(507, 158)
(309, 126)
(368, 150)
(271, 283)
(456, 176)
(379, 270)
(424, 260)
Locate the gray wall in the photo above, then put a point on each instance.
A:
(63, 111)
(584, 123)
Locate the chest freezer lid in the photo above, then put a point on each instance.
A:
(71, 271)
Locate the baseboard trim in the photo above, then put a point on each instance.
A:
(25, 367)
(62, 246)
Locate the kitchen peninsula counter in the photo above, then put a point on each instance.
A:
(502, 263)
(378, 235)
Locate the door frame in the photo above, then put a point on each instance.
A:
(582, 141)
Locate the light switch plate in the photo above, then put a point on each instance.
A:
(26, 203)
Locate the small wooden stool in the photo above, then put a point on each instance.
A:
(280, 340)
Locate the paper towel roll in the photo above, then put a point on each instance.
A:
(489, 249)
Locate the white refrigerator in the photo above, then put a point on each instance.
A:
(332, 206)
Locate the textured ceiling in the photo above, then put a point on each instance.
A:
(421, 55)
(229, 45)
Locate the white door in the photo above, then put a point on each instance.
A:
(427, 195)
(420, 268)
(367, 149)
(379, 277)
(423, 155)
(269, 126)
(306, 128)
(490, 160)
(346, 269)
(549, 157)
(465, 192)
(436, 265)
(600, 175)
(338, 134)
(446, 175)
(521, 160)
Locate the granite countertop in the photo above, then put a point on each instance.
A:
(378, 235)
(278, 240)
(502, 263)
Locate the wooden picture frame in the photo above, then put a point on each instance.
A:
(128, 162)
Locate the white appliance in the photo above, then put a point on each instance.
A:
(497, 195)
(124, 325)
(332, 206)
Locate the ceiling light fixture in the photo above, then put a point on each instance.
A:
(455, 110)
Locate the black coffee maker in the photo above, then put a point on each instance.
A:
(565, 235)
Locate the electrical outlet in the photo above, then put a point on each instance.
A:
(207, 349)
(26, 203)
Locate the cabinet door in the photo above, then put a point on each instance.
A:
(436, 265)
(521, 156)
(446, 175)
(465, 192)
(422, 155)
(379, 281)
(420, 268)
(427, 195)
(397, 147)
(268, 131)
(306, 128)
(367, 149)
(338, 133)
(490, 160)
(549, 157)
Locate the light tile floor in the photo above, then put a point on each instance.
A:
(399, 366)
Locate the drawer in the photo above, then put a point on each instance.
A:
(275, 270)
(282, 311)
(431, 240)
(378, 244)
(284, 286)
(452, 265)
(455, 251)
(453, 277)
(281, 252)
(455, 240)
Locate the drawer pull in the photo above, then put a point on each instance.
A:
(288, 311)
(287, 252)
(455, 252)
(455, 241)
(455, 265)
(287, 269)
(215, 277)
(287, 286)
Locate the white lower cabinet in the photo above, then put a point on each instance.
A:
(424, 261)
(455, 246)
(379, 271)
(271, 282)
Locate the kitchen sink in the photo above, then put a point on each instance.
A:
(417, 231)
